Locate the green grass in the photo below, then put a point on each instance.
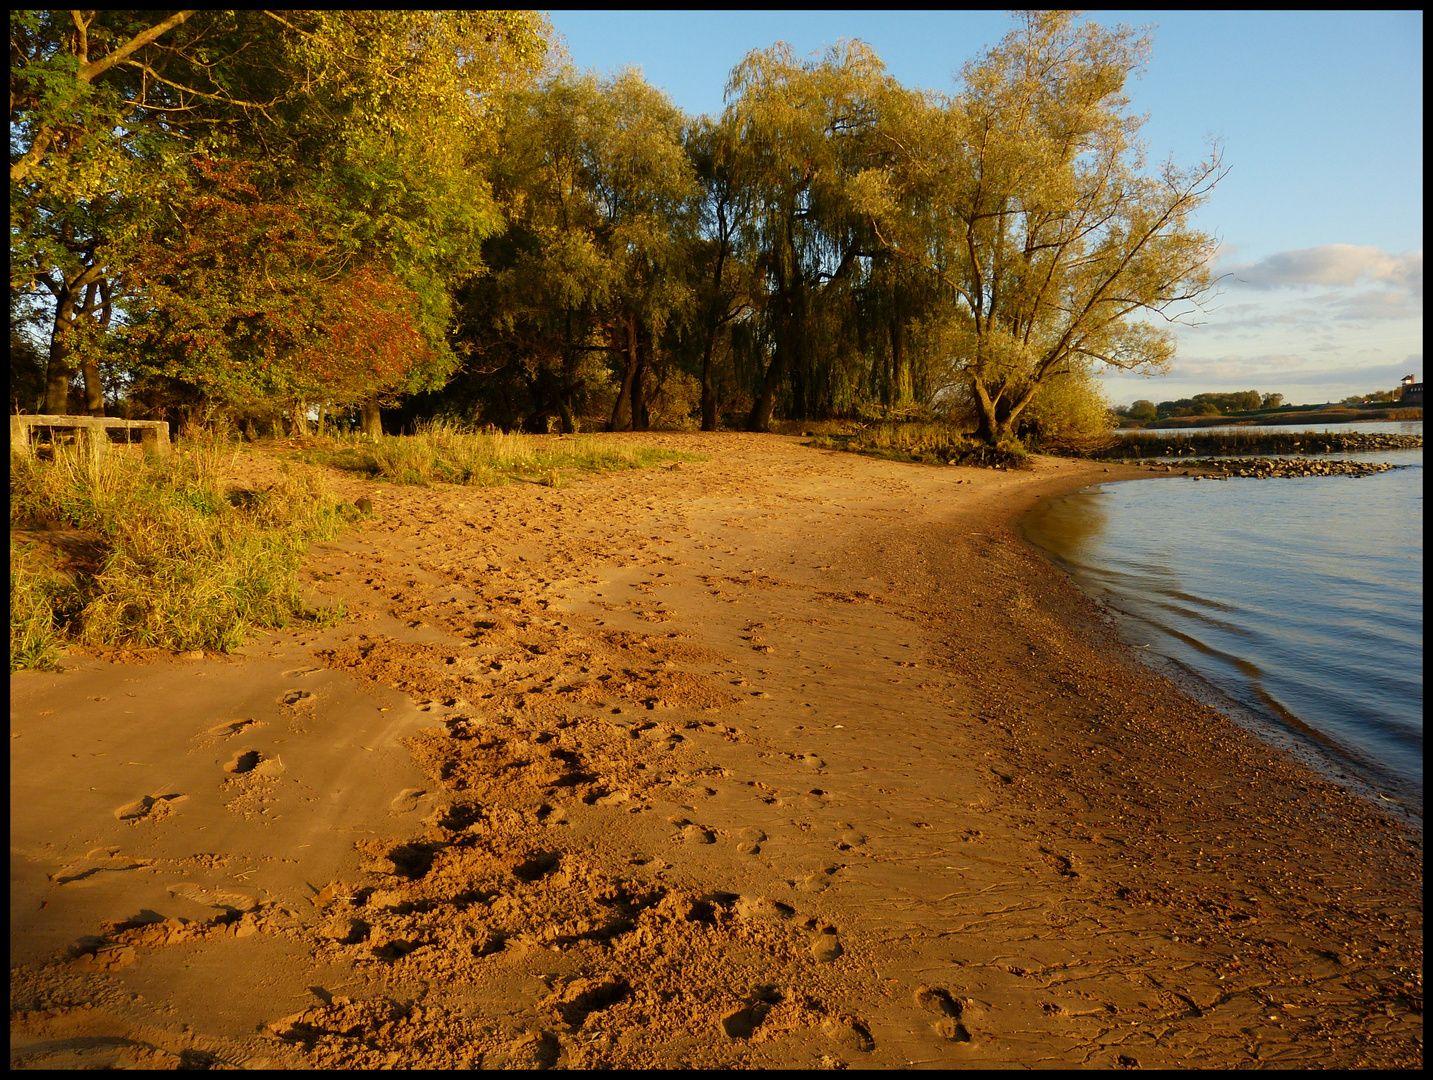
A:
(160, 555)
(444, 452)
(928, 443)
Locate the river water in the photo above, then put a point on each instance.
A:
(1293, 604)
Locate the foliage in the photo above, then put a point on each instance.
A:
(1068, 411)
(246, 214)
(246, 299)
(927, 443)
(806, 130)
(179, 562)
(377, 121)
(446, 452)
(587, 278)
(1025, 197)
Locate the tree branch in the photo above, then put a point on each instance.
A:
(90, 72)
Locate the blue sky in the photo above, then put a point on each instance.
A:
(1320, 116)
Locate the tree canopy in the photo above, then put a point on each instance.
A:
(255, 211)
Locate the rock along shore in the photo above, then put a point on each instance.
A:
(1268, 468)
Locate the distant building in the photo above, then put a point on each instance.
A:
(1410, 391)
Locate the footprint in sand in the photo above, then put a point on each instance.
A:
(407, 800)
(296, 698)
(750, 840)
(742, 1021)
(149, 808)
(219, 898)
(849, 1032)
(949, 1011)
(251, 763)
(232, 727)
(762, 909)
(97, 862)
(300, 672)
(849, 836)
(826, 945)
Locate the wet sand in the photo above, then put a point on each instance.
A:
(783, 758)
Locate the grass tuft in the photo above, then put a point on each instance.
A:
(445, 452)
(930, 443)
(156, 554)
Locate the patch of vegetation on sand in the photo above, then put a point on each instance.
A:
(927, 443)
(144, 553)
(445, 452)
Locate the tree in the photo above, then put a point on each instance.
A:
(1143, 410)
(724, 281)
(1272, 401)
(247, 300)
(1025, 197)
(805, 129)
(601, 193)
(378, 117)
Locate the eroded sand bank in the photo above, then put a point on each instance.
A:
(782, 758)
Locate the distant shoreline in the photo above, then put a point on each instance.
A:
(1312, 416)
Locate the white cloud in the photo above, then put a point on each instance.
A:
(1333, 264)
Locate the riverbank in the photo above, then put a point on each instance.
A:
(1249, 443)
(783, 758)
(1338, 414)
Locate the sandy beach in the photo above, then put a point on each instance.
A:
(780, 758)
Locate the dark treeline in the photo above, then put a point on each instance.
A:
(253, 215)
(1218, 404)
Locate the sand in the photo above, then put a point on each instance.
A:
(783, 758)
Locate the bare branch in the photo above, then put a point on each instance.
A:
(90, 72)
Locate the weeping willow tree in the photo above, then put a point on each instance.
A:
(1026, 197)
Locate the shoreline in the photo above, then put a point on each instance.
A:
(1282, 730)
(787, 758)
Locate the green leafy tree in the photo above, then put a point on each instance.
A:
(806, 129)
(1143, 410)
(247, 300)
(601, 193)
(1026, 197)
(379, 118)
(723, 281)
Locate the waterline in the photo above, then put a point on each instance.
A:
(1296, 601)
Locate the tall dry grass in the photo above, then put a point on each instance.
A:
(445, 452)
(922, 441)
(175, 561)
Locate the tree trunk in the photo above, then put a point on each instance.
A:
(709, 418)
(641, 420)
(370, 419)
(94, 389)
(760, 418)
(300, 418)
(59, 373)
(622, 415)
(900, 367)
(995, 418)
(76, 299)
